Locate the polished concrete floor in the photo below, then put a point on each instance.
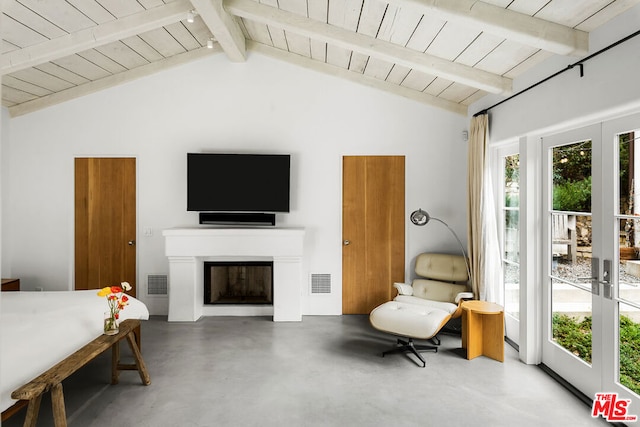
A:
(323, 371)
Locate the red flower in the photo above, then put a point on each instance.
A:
(116, 298)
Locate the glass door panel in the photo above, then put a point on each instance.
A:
(570, 248)
(571, 319)
(511, 235)
(571, 244)
(629, 351)
(512, 290)
(626, 301)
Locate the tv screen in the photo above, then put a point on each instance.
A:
(238, 182)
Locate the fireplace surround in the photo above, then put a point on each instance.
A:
(189, 248)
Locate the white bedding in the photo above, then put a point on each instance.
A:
(39, 329)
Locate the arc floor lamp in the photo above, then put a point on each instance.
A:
(421, 218)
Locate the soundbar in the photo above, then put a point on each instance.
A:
(237, 218)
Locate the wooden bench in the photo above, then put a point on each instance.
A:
(51, 380)
(564, 233)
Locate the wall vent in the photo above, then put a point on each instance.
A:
(157, 284)
(320, 283)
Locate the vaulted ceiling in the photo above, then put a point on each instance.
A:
(446, 53)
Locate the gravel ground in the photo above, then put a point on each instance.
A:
(580, 272)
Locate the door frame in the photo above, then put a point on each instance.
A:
(611, 307)
(577, 372)
(603, 374)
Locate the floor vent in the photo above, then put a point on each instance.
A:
(320, 283)
(157, 284)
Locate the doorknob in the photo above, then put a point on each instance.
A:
(346, 242)
(132, 243)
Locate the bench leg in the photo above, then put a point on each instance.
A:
(142, 368)
(115, 362)
(139, 366)
(32, 411)
(57, 403)
(137, 332)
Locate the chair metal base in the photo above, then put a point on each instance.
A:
(403, 346)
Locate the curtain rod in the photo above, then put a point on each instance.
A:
(569, 67)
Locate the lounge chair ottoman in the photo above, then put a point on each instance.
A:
(409, 321)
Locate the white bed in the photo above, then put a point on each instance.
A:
(39, 329)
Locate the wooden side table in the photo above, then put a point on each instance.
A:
(10, 285)
(483, 329)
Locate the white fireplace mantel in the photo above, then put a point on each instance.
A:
(188, 249)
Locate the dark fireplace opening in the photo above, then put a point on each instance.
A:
(230, 282)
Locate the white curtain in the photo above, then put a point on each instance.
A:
(484, 249)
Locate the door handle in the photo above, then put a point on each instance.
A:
(346, 242)
(595, 276)
(131, 243)
(606, 279)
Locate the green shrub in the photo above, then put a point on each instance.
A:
(575, 336)
(630, 354)
(574, 196)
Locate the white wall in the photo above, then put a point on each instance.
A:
(4, 136)
(259, 106)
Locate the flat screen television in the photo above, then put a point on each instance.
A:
(218, 182)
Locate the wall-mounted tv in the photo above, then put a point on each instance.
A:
(219, 182)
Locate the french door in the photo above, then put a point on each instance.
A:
(591, 248)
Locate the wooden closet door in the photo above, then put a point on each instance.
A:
(105, 222)
(373, 211)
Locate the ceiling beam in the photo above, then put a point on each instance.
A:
(224, 28)
(362, 79)
(93, 37)
(501, 22)
(111, 81)
(371, 46)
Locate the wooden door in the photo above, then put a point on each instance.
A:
(105, 222)
(373, 211)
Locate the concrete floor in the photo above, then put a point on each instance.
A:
(323, 371)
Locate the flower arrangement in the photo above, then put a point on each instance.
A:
(116, 300)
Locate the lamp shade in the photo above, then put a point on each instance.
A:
(420, 217)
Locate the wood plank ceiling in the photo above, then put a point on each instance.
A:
(444, 53)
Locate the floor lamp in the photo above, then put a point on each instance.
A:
(421, 218)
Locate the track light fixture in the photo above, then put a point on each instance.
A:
(191, 16)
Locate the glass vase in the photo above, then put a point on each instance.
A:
(110, 323)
